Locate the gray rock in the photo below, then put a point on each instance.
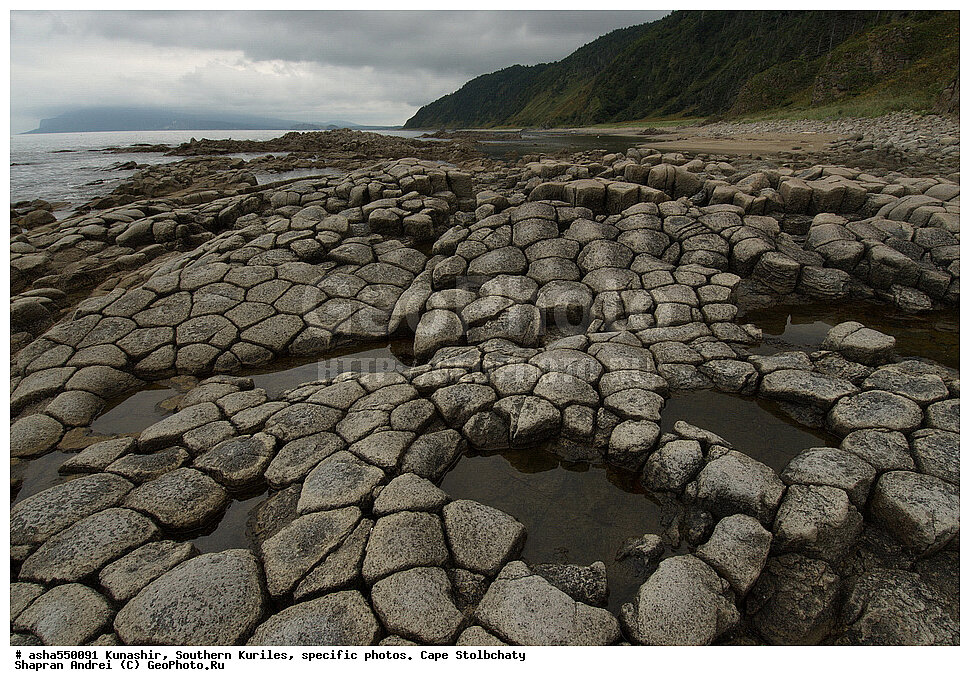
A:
(338, 481)
(798, 386)
(937, 453)
(87, 546)
(482, 538)
(141, 468)
(874, 409)
(123, 578)
(565, 389)
(170, 430)
(97, 456)
(238, 462)
(860, 344)
(737, 484)
(300, 420)
(295, 459)
(183, 499)
(339, 619)
(896, 607)
(794, 600)
(458, 402)
(673, 465)
(432, 454)
(523, 608)
(635, 404)
(682, 603)
(339, 569)
(920, 388)
(884, 450)
(35, 519)
(477, 636)
(69, 615)
(818, 521)
(417, 603)
(409, 492)
(737, 550)
(531, 420)
(213, 599)
(34, 435)
(22, 595)
(437, 329)
(403, 540)
(583, 584)
(921, 511)
(631, 442)
(832, 467)
(289, 554)
(944, 415)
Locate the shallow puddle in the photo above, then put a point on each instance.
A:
(573, 512)
(288, 374)
(134, 413)
(752, 425)
(39, 474)
(935, 336)
(232, 529)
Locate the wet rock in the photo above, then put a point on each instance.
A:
(123, 578)
(684, 602)
(525, 609)
(34, 519)
(87, 546)
(142, 468)
(895, 607)
(96, 457)
(874, 409)
(338, 481)
(67, 615)
(403, 540)
(417, 603)
(737, 550)
(642, 551)
(737, 484)
(338, 619)
(183, 499)
(289, 554)
(920, 388)
(409, 492)
(213, 599)
(921, 511)
(583, 584)
(300, 420)
(832, 467)
(794, 600)
(482, 538)
(457, 403)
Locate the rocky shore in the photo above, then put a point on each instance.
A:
(556, 302)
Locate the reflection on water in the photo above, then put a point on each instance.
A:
(288, 374)
(935, 336)
(752, 425)
(573, 512)
(232, 529)
(135, 412)
(39, 474)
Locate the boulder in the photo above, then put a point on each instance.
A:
(481, 538)
(417, 603)
(339, 619)
(737, 484)
(737, 550)
(921, 511)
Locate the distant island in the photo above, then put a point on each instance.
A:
(156, 119)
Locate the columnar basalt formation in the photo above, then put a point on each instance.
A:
(558, 302)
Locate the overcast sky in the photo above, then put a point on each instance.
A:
(367, 67)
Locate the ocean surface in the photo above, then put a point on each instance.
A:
(74, 168)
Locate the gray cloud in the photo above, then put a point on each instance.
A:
(369, 66)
